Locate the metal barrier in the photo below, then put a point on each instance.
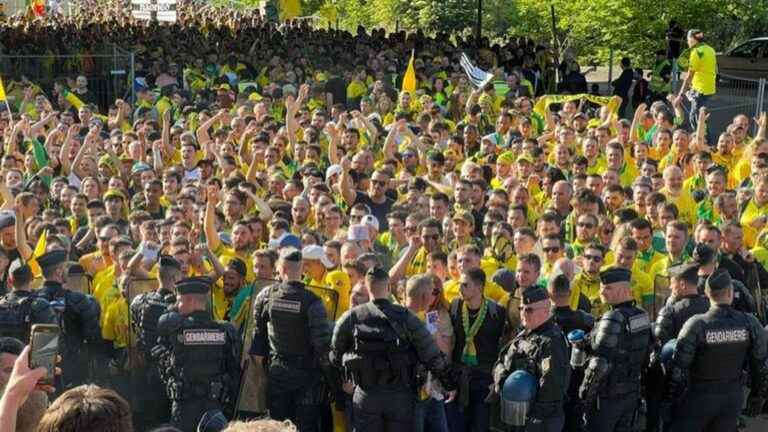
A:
(109, 75)
(735, 96)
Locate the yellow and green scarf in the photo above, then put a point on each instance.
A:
(469, 355)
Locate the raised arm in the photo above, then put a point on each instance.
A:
(21, 235)
(346, 186)
(265, 213)
(66, 164)
(202, 132)
(214, 241)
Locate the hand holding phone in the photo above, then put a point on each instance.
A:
(44, 343)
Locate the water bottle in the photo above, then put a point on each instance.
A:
(577, 339)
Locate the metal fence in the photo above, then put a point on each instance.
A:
(110, 75)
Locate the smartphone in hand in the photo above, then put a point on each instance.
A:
(44, 347)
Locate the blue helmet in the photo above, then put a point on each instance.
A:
(576, 336)
(520, 386)
(518, 393)
(667, 351)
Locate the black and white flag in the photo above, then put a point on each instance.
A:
(478, 77)
(160, 10)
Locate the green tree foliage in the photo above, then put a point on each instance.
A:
(591, 28)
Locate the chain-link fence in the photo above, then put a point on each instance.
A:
(109, 75)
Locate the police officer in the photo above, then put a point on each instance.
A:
(684, 303)
(569, 320)
(77, 315)
(146, 310)
(21, 308)
(706, 369)
(540, 350)
(379, 345)
(620, 344)
(707, 259)
(292, 332)
(198, 358)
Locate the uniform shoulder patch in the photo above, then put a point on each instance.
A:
(639, 322)
(203, 337)
(545, 365)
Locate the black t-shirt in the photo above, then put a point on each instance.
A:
(337, 87)
(379, 210)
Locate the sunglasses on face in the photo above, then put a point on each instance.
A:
(585, 225)
(430, 237)
(552, 249)
(595, 258)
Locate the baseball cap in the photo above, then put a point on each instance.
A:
(316, 253)
(358, 232)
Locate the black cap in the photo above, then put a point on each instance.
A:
(703, 254)
(20, 270)
(7, 219)
(290, 254)
(193, 285)
(169, 261)
(505, 279)
(534, 294)
(76, 269)
(719, 280)
(238, 266)
(377, 273)
(52, 258)
(684, 271)
(614, 275)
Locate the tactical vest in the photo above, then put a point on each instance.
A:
(288, 326)
(197, 358)
(15, 318)
(382, 354)
(151, 306)
(726, 341)
(631, 354)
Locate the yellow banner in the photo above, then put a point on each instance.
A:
(545, 101)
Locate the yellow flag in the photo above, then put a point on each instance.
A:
(41, 244)
(2, 90)
(409, 79)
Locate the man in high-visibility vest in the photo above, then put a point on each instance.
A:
(661, 83)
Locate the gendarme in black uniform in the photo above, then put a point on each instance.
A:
(542, 352)
(78, 318)
(22, 308)
(620, 345)
(706, 370)
(292, 331)
(678, 309)
(379, 344)
(146, 310)
(198, 358)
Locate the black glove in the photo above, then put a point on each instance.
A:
(754, 406)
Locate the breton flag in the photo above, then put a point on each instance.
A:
(478, 77)
(409, 79)
(160, 10)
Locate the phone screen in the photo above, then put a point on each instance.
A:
(45, 346)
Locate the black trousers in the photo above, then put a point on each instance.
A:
(383, 410)
(612, 415)
(302, 405)
(708, 412)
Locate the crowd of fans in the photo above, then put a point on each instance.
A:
(245, 137)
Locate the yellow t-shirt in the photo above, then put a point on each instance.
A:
(686, 205)
(418, 264)
(752, 212)
(703, 62)
(491, 290)
(590, 288)
(225, 254)
(339, 282)
(115, 326)
(105, 290)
